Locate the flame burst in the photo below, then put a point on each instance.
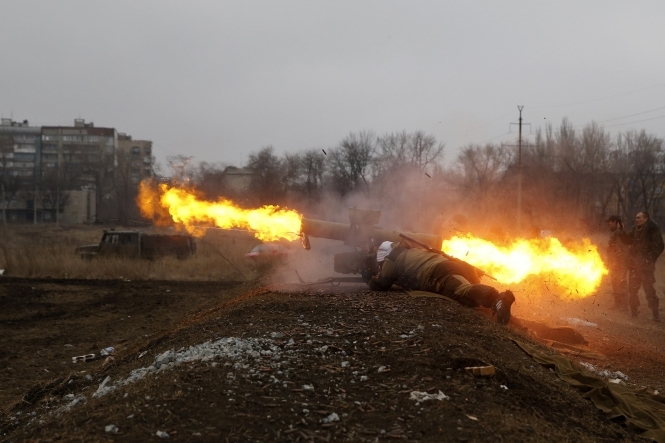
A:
(170, 205)
(579, 269)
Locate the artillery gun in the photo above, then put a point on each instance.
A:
(363, 235)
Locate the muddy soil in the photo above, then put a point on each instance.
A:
(44, 323)
(341, 365)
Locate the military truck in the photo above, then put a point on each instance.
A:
(136, 244)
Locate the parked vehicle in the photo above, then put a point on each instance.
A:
(139, 245)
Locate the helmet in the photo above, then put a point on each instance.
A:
(383, 251)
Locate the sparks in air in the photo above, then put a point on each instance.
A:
(578, 269)
(177, 206)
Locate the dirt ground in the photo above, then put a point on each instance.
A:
(346, 350)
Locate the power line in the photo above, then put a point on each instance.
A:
(599, 99)
(637, 121)
(632, 115)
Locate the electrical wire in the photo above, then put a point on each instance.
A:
(598, 99)
(637, 121)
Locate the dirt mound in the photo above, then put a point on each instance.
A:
(293, 365)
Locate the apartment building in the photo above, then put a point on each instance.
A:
(135, 156)
(67, 173)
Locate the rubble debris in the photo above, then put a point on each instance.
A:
(112, 429)
(107, 351)
(424, 396)
(331, 418)
(102, 389)
(231, 347)
(162, 434)
(83, 358)
(484, 371)
(604, 372)
(579, 322)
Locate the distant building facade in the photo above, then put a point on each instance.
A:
(138, 155)
(67, 173)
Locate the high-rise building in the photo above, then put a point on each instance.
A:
(69, 173)
(136, 156)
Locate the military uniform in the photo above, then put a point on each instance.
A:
(413, 268)
(646, 245)
(617, 262)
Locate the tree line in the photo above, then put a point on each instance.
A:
(571, 178)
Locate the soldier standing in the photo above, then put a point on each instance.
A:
(617, 262)
(646, 245)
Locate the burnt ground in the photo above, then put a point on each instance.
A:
(347, 351)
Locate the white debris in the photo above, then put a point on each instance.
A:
(579, 322)
(345, 364)
(424, 396)
(162, 434)
(102, 389)
(307, 387)
(331, 418)
(383, 369)
(276, 335)
(363, 378)
(233, 348)
(503, 387)
(113, 429)
(616, 381)
(604, 372)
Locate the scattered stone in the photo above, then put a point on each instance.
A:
(307, 387)
(331, 418)
(345, 364)
(112, 429)
(424, 396)
(162, 434)
(276, 335)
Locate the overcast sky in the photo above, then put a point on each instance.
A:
(218, 80)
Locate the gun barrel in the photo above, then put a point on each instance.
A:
(343, 232)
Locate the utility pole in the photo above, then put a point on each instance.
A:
(519, 170)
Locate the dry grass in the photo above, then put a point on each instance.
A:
(48, 251)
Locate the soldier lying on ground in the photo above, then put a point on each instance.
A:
(414, 268)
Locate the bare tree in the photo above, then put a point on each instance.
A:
(482, 167)
(312, 169)
(181, 168)
(267, 183)
(350, 163)
(645, 189)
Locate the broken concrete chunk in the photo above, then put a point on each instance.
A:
(112, 429)
(424, 396)
(331, 418)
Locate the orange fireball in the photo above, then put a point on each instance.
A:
(170, 205)
(577, 269)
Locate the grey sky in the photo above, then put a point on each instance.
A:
(218, 80)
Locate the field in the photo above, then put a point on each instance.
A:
(319, 351)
